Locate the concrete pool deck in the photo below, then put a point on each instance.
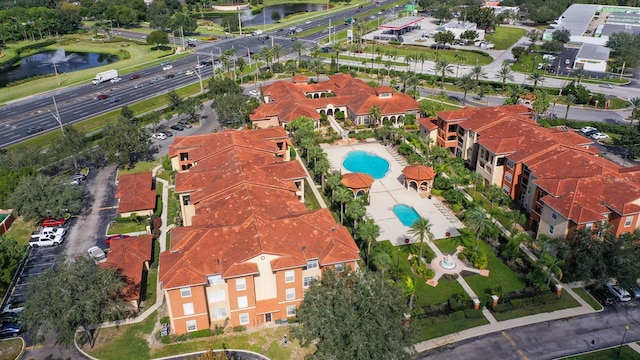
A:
(389, 191)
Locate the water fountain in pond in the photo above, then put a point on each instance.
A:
(60, 56)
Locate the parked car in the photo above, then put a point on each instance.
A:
(603, 296)
(254, 92)
(102, 96)
(34, 129)
(620, 293)
(177, 127)
(599, 136)
(588, 130)
(46, 222)
(11, 330)
(116, 237)
(97, 254)
(185, 124)
(45, 241)
(167, 67)
(134, 76)
(168, 133)
(635, 292)
(8, 318)
(53, 231)
(159, 136)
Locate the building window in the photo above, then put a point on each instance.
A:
(551, 229)
(308, 280)
(312, 264)
(214, 279)
(244, 319)
(506, 189)
(219, 313)
(339, 267)
(217, 296)
(241, 284)
(554, 215)
(192, 325)
(291, 310)
(185, 292)
(589, 226)
(186, 200)
(291, 294)
(188, 309)
(510, 164)
(289, 276)
(508, 176)
(242, 302)
(628, 221)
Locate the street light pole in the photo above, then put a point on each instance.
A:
(626, 328)
(199, 67)
(57, 114)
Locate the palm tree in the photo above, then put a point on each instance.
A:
(315, 51)
(342, 195)
(421, 229)
(443, 66)
(266, 53)
(382, 261)
(553, 265)
(299, 47)
(409, 286)
(635, 109)
(466, 83)
(459, 58)
(504, 74)
(333, 181)
(278, 50)
(579, 74)
(478, 73)
(536, 77)
(571, 99)
(291, 67)
(317, 66)
(355, 210)
(241, 63)
(374, 114)
(478, 221)
(512, 247)
(368, 231)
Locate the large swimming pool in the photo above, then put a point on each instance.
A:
(407, 214)
(368, 163)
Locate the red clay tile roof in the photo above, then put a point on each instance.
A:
(299, 78)
(418, 172)
(129, 255)
(135, 192)
(484, 112)
(246, 205)
(357, 180)
(429, 123)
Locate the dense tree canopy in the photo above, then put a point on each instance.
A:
(355, 316)
(73, 295)
(625, 48)
(39, 196)
(125, 142)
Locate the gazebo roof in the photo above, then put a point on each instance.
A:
(357, 180)
(418, 172)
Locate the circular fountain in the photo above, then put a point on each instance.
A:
(447, 263)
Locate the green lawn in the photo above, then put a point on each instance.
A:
(470, 57)
(584, 294)
(448, 327)
(499, 274)
(141, 166)
(124, 342)
(126, 227)
(309, 198)
(626, 353)
(565, 302)
(504, 37)
(150, 292)
(173, 208)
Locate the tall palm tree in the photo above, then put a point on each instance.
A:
(315, 51)
(443, 67)
(459, 59)
(299, 48)
(382, 261)
(466, 83)
(478, 73)
(553, 265)
(422, 58)
(409, 286)
(291, 67)
(504, 74)
(333, 181)
(317, 65)
(266, 53)
(278, 50)
(421, 229)
(579, 74)
(512, 247)
(477, 221)
(571, 99)
(536, 78)
(355, 210)
(367, 232)
(635, 109)
(342, 195)
(374, 115)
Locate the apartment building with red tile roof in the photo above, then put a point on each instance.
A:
(131, 257)
(286, 100)
(250, 247)
(555, 174)
(136, 194)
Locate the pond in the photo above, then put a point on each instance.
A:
(264, 17)
(43, 63)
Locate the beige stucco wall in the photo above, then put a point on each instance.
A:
(265, 283)
(546, 219)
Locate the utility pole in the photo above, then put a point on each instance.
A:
(199, 67)
(240, 24)
(182, 36)
(213, 66)
(55, 70)
(57, 114)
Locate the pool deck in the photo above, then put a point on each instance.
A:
(389, 191)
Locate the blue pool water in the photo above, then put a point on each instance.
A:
(364, 162)
(406, 214)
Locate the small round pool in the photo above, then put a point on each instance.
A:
(407, 214)
(368, 163)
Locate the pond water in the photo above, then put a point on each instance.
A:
(265, 16)
(42, 63)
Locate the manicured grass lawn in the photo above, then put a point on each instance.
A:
(446, 106)
(173, 208)
(21, 230)
(470, 58)
(448, 327)
(150, 292)
(503, 37)
(124, 342)
(140, 167)
(309, 198)
(626, 353)
(499, 274)
(584, 294)
(10, 348)
(565, 302)
(126, 227)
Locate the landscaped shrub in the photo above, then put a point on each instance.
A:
(441, 183)
(199, 334)
(503, 308)
(458, 315)
(240, 328)
(517, 303)
(476, 257)
(472, 313)
(165, 320)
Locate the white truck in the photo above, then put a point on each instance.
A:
(105, 76)
(257, 33)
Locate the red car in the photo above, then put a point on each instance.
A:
(116, 237)
(102, 96)
(134, 76)
(53, 222)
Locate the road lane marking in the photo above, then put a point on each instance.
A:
(519, 351)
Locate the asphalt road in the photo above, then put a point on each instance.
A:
(550, 340)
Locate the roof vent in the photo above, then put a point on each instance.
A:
(334, 228)
(218, 261)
